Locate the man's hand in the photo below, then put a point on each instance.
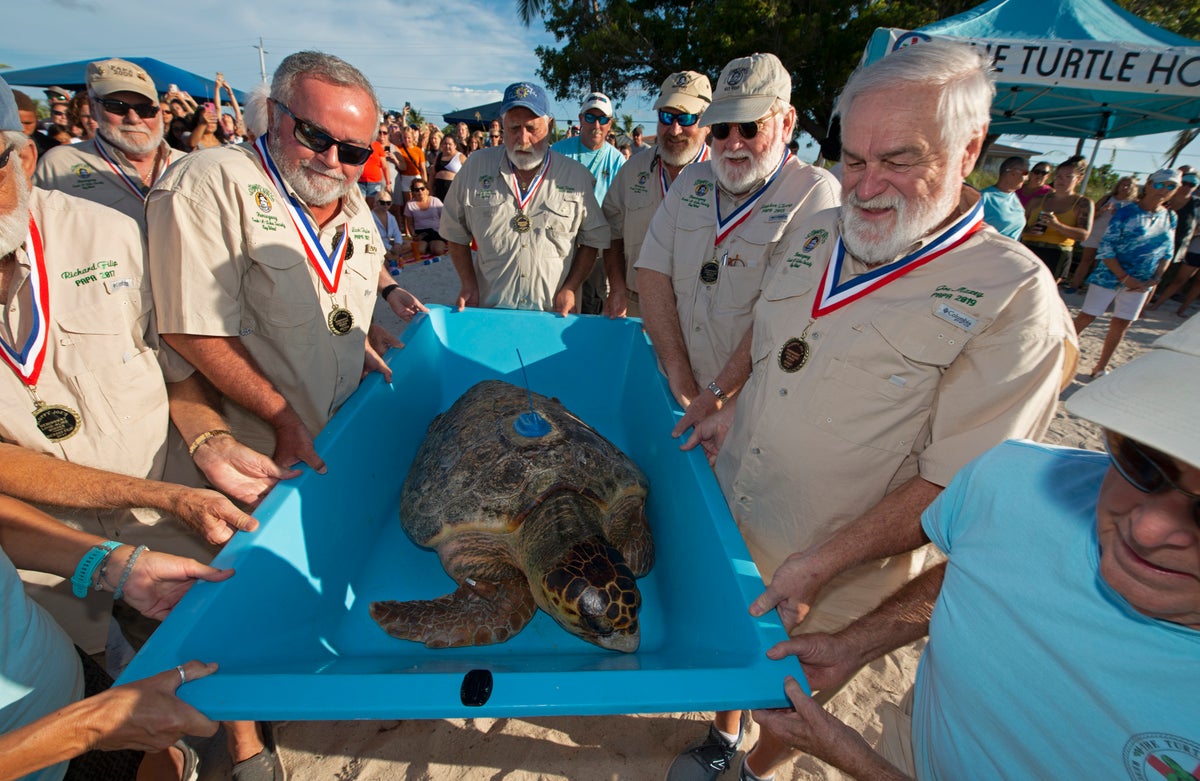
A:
(405, 305)
(379, 341)
(294, 443)
(158, 580)
(616, 305)
(828, 661)
(793, 589)
(704, 403)
(210, 513)
(239, 472)
(468, 295)
(710, 433)
(683, 387)
(809, 728)
(146, 715)
(564, 302)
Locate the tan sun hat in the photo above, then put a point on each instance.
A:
(688, 91)
(747, 88)
(108, 76)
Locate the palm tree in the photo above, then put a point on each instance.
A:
(1184, 138)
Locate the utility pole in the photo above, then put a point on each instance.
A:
(262, 63)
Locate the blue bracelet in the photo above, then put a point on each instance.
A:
(120, 592)
(82, 579)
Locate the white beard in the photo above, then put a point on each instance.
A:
(131, 142)
(682, 155)
(737, 183)
(14, 226)
(313, 182)
(537, 151)
(874, 243)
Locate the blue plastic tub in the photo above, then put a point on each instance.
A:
(291, 630)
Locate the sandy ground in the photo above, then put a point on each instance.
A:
(584, 748)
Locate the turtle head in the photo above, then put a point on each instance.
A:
(591, 592)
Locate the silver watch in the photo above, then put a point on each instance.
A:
(716, 391)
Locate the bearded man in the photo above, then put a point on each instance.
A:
(901, 338)
(118, 167)
(531, 212)
(721, 229)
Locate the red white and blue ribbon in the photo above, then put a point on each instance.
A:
(663, 184)
(832, 296)
(27, 362)
(328, 267)
(134, 186)
(526, 195)
(727, 225)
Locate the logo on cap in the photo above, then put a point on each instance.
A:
(683, 80)
(737, 76)
(522, 91)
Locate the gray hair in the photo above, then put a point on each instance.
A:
(322, 67)
(962, 73)
(15, 139)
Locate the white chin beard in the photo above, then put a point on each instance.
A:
(676, 157)
(758, 170)
(313, 188)
(526, 164)
(129, 143)
(14, 226)
(874, 245)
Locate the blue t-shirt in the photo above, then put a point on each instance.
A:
(1036, 668)
(603, 162)
(1003, 211)
(1139, 240)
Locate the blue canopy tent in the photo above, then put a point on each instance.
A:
(70, 75)
(476, 117)
(1077, 68)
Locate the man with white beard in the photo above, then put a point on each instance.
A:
(531, 212)
(901, 338)
(128, 155)
(643, 182)
(721, 229)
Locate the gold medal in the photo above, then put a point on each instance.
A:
(520, 223)
(55, 421)
(341, 320)
(793, 355)
(709, 272)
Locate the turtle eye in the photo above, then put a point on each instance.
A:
(601, 625)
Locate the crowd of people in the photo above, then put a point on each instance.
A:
(189, 300)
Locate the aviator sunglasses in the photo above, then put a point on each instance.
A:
(120, 108)
(684, 120)
(1164, 185)
(316, 139)
(1143, 471)
(592, 119)
(748, 130)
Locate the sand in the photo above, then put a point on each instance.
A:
(598, 748)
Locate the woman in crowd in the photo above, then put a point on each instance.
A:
(1125, 192)
(1133, 255)
(434, 142)
(1056, 220)
(445, 166)
(422, 215)
(476, 143)
(80, 112)
(1035, 183)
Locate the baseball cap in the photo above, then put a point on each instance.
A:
(598, 101)
(1191, 177)
(1164, 175)
(108, 76)
(9, 118)
(1142, 399)
(747, 88)
(688, 91)
(528, 95)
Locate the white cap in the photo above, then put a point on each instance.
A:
(598, 101)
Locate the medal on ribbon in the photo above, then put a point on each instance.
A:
(521, 222)
(56, 421)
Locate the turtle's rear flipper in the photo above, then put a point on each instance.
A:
(480, 615)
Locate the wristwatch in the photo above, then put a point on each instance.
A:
(716, 391)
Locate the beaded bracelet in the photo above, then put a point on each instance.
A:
(97, 554)
(207, 435)
(120, 592)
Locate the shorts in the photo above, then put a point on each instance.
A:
(400, 192)
(429, 234)
(1127, 304)
(370, 188)
(1192, 259)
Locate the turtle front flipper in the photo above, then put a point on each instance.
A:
(476, 613)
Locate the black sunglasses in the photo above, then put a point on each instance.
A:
(120, 108)
(316, 139)
(1143, 471)
(419, 189)
(748, 130)
(5, 155)
(684, 120)
(592, 119)
(1041, 172)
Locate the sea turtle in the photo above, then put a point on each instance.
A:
(521, 522)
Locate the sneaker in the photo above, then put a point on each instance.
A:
(263, 766)
(706, 759)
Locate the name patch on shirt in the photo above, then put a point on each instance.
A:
(698, 198)
(962, 295)
(955, 317)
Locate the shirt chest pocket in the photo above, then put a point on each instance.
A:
(743, 265)
(561, 221)
(277, 288)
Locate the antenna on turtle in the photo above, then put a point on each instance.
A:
(529, 424)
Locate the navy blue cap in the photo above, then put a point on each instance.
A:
(527, 94)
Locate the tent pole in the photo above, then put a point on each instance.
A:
(1087, 176)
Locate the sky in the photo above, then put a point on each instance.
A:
(439, 56)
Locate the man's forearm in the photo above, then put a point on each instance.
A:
(736, 370)
(899, 620)
(460, 256)
(194, 405)
(227, 364)
(581, 266)
(614, 264)
(35, 541)
(661, 321)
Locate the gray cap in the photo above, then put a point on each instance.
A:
(9, 118)
(747, 88)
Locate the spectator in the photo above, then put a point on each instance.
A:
(1187, 246)
(1035, 184)
(1001, 207)
(27, 110)
(638, 143)
(231, 129)
(494, 134)
(82, 117)
(1056, 220)
(1126, 191)
(389, 230)
(374, 178)
(410, 162)
(422, 217)
(445, 166)
(1132, 257)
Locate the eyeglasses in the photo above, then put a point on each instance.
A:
(1041, 172)
(316, 139)
(748, 130)
(420, 189)
(1143, 471)
(5, 155)
(1164, 185)
(120, 108)
(684, 120)
(496, 136)
(593, 119)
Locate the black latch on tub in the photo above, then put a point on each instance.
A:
(476, 688)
